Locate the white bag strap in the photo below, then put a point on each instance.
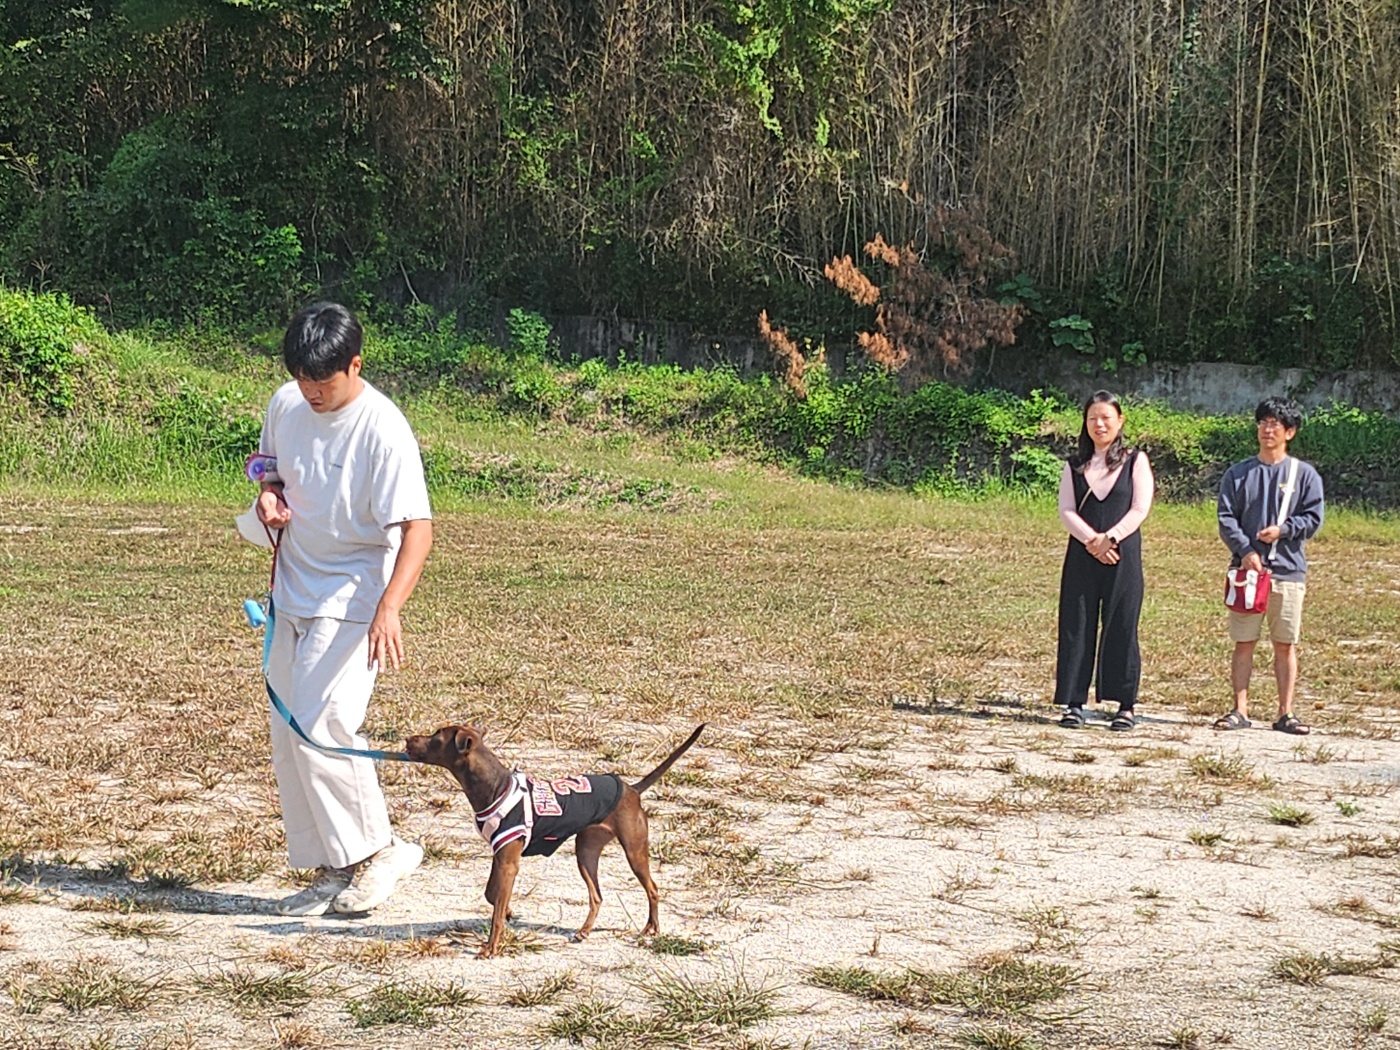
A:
(1286, 495)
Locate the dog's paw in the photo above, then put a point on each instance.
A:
(488, 952)
(579, 935)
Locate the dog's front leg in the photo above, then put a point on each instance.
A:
(504, 864)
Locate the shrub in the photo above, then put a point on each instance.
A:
(40, 337)
(211, 428)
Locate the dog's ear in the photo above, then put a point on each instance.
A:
(464, 740)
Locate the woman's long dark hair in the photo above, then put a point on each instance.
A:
(1116, 452)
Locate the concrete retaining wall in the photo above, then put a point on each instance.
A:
(1202, 387)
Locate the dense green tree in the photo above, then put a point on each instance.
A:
(1203, 180)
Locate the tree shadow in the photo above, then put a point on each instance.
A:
(351, 926)
(70, 883)
(121, 892)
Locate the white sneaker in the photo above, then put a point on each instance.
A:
(378, 876)
(316, 898)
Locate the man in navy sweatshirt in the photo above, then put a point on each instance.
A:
(1265, 521)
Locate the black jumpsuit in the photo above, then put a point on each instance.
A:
(1089, 589)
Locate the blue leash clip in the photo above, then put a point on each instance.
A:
(256, 613)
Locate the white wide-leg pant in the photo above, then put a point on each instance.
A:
(332, 806)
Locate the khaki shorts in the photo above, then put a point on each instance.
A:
(1285, 615)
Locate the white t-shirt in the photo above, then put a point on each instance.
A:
(349, 477)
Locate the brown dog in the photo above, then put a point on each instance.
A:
(522, 816)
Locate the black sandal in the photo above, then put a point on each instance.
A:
(1234, 720)
(1289, 724)
(1123, 722)
(1073, 718)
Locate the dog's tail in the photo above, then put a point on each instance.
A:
(666, 763)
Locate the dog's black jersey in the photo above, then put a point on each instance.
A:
(545, 813)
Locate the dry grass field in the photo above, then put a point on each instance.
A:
(882, 840)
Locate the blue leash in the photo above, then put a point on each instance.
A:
(267, 619)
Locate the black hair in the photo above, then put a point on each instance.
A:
(1116, 452)
(1284, 409)
(321, 340)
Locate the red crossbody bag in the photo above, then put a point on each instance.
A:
(1247, 591)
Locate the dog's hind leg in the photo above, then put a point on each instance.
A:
(636, 846)
(587, 850)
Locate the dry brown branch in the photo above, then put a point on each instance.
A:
(786, 351)
(935, 312)
(844, 273)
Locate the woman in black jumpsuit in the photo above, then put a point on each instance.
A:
(1102, 577)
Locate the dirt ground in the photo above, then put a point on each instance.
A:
(881, 840)
(1148, 864)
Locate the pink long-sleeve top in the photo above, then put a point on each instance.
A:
(1101, 481)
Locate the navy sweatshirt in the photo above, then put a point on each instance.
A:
(1250, 493)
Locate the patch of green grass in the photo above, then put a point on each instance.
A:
(1289, 815)
(1309, 968)
(732, 1002)
(84, 984)
(12, 892)
(994, 984)
(1319, 755)
(1301, 968)
(1220, 767)
(514, 942)
(118, 904)
(1145, 756)
(544, 992)
(283, 991)
(1384, 846)
(142, 927)
(419, 1004)
(1357, 907)
(865, 983)
(1205, 839)
(685, 1011)
(996, 1037)
(671, 944)
(607, 1025)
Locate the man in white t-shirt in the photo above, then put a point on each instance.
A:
(356, 528)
